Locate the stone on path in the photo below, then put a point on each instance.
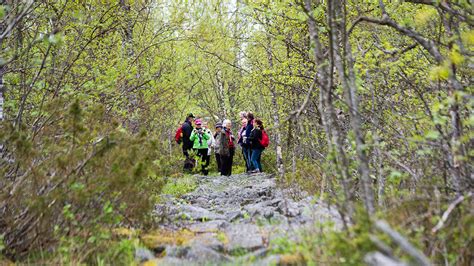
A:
(243, 236)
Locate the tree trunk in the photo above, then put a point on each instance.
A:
(327, 111)
(345, 63)
(276, 118)
(127, 47)
(460, 180)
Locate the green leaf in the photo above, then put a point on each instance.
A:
(439, 73)
(456, 57)
(2, 11)
(432, 134)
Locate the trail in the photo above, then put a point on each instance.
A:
(231, 220)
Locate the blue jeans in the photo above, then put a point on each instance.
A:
(255, 159)
(248, 163)
(249, 158)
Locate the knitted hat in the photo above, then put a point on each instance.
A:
(218, 124)
(198, 122)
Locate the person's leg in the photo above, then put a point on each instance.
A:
(208, 161)
(203, 156)
(255, 154)
(246, 159)
(185, 152)
(218, 160)
(224, 160)
(253, 159)
(187, 164)
(230, 161)
(249, 157)
(259, 161)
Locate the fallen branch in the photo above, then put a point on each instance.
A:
(377, 258)
(420, 258)
(446, 214)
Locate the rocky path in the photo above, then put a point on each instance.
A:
(230, 220)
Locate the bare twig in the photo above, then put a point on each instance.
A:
(403, 243)
(12, 25)
(448, 211)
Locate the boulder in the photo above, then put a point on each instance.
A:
(243, 236)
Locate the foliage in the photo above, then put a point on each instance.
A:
(375, 99)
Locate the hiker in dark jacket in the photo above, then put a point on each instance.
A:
(226, 148)
(187, 128)
(246, 142)
(257, 148)
(217, 137)
(241, 140)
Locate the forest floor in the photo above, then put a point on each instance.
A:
(232, 220)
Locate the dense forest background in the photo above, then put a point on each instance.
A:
(368, 105)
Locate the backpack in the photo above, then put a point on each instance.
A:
(265, 140)
(179, 135)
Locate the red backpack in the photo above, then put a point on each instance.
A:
(265, 140)
(179, 135)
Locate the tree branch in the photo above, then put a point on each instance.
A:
(448, 211)
(420, 258)
(429, 45)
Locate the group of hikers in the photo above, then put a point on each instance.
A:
(251, 137)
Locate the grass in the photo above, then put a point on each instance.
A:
(180, 186)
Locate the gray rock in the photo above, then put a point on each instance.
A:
(257, 208)
(243, 236)
(206, 254)
(268, 213)
(211, 226)
(289, 208)
(209, 240)
(200, 201)
(177, 251)
(143, 254)
(233, 215)
(199, 214)
(171, 261)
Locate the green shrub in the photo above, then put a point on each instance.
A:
(70, 185)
